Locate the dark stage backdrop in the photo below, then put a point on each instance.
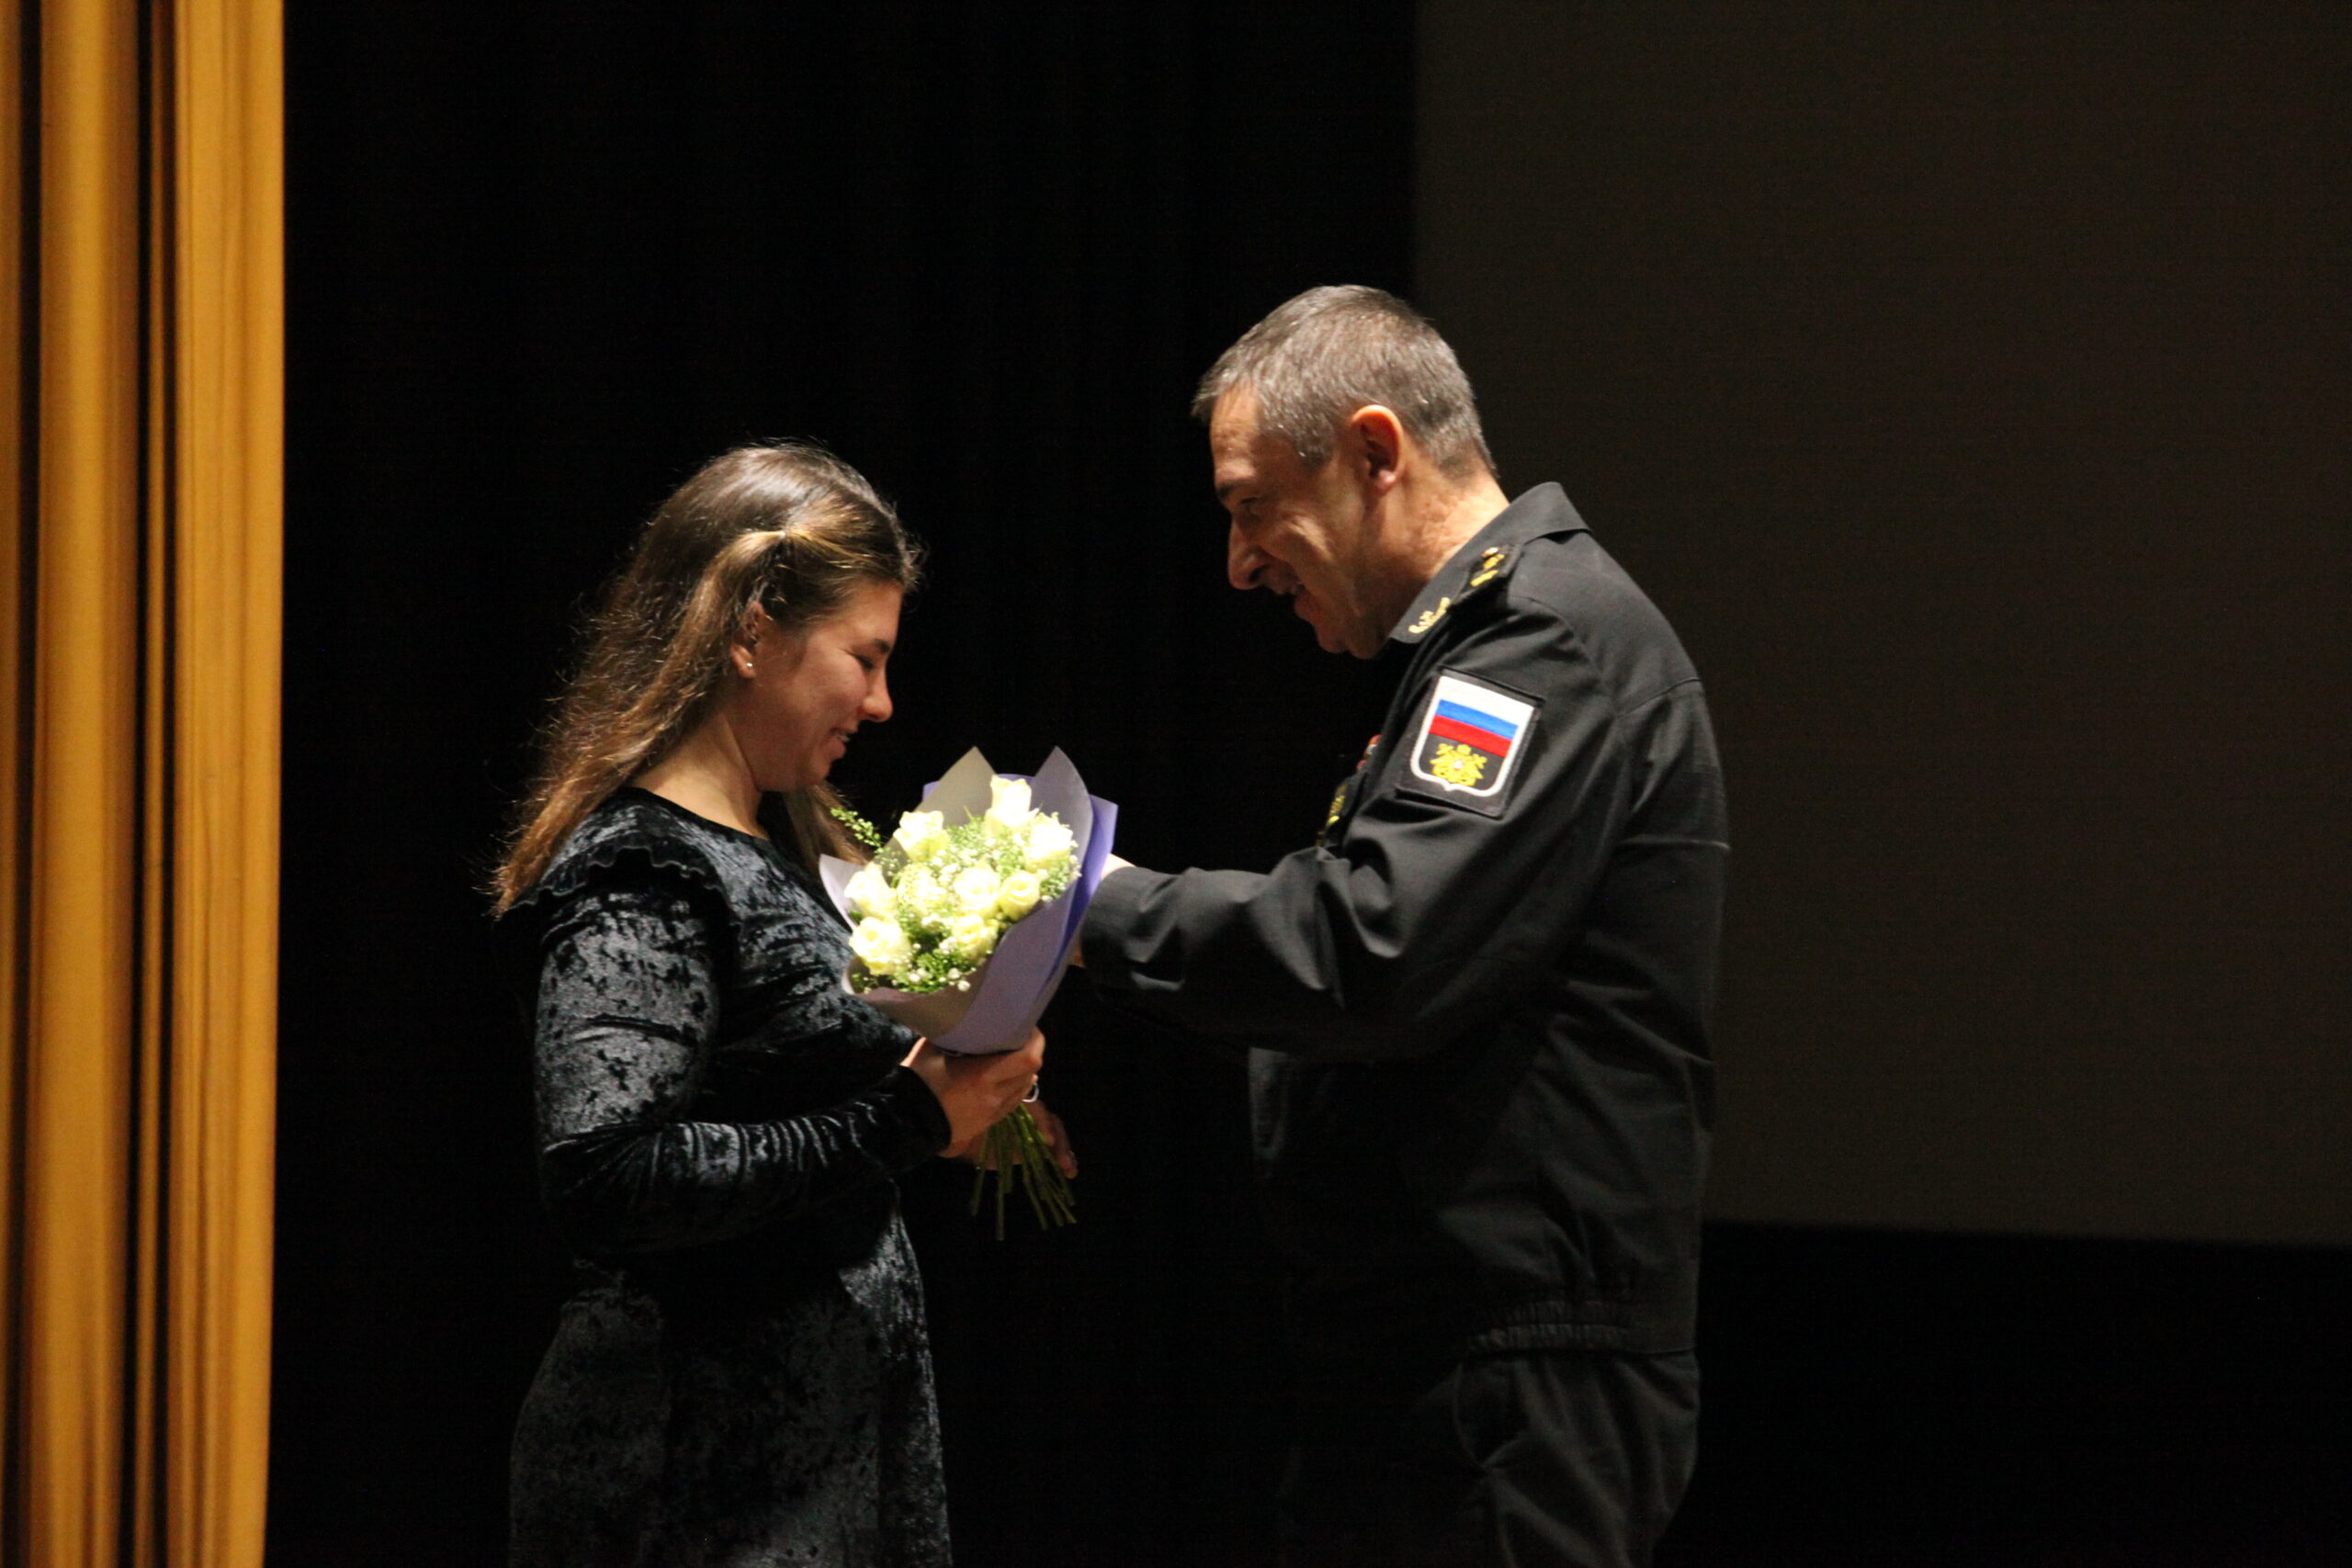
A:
(544, 259)
(1972, 383)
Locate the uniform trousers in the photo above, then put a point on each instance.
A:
(1543, 1459)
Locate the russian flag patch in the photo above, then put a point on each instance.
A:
(1470, 735)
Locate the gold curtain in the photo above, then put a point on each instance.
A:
(140, 280)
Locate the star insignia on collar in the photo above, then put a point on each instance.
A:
(1491, 562)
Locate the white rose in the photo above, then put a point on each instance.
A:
(869, 892)
(1048, 840)
(1008, 808)
(1019, 894)
(918, 890)
(920, 833)
(975, 889)
(971, 936)
(881, 946)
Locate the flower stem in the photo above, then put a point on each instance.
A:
(1016, 1146)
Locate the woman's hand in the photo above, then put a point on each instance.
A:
(976, 1093)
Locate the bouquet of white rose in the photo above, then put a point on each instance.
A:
(935, 900)
(963, 921)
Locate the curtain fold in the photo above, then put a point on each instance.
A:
(139, 645)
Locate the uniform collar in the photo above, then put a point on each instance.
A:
(1490, 555)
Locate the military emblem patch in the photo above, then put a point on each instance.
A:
(1470, 736)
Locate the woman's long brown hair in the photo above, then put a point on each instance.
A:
(784, 526)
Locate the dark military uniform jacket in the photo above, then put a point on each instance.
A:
(1478, 1006)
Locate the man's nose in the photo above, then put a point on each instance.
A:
(1242, 561)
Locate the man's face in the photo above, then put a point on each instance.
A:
(1298, 532)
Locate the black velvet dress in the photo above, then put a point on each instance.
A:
(744, 1378)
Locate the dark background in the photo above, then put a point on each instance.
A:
(1970, 383)
(547, 258)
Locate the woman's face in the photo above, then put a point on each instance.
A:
(808, 693)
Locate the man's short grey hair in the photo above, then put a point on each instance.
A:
(1320, 356)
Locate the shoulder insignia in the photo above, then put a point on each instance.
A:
(1492, 562)
(1469, 743)
(1429, 617)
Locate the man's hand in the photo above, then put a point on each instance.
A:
(1056, 1136)
(1049, 1127)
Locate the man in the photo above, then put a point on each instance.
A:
(1478, 1004)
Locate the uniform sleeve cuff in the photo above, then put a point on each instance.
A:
(1118, 904)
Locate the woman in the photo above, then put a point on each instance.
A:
(744, 1379)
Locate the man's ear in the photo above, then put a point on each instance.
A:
(1379, 439)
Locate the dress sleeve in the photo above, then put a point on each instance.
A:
(626, 1015)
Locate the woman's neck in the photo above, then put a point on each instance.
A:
(707, 775)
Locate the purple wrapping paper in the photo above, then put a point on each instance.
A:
(1010, 990)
